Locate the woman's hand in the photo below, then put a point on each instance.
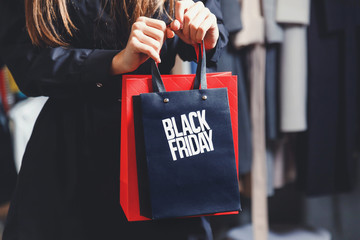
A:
(146, 39)
(194, 23)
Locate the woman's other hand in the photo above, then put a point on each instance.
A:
(145, 41)
(194, 23)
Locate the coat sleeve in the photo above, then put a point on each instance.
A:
(55, 72)
(187, 52)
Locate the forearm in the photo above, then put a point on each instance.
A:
(117, 65)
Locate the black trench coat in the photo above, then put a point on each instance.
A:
(68, 186)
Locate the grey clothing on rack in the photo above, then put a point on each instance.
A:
(273, 31)
(293, 11)
(293, 79)
(294, 14)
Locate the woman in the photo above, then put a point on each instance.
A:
(75, 52)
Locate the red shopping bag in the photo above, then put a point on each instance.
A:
(133, 85)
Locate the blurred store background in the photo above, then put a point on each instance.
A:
(298, 68)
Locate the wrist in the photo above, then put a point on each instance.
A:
(118, 65)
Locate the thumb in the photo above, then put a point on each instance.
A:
(176, 27)
(169, 33)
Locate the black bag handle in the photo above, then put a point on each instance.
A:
(200, 77)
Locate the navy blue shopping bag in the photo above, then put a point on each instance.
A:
(185, 150)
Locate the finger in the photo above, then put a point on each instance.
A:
(209, 22)
(175, 25)
(169, 33)
(146, 49)
(194, 8)
(155, 23)
(154, 33)
(149, 31)
(197, 22)
(156, 45)
(189, 16)
(180, 8)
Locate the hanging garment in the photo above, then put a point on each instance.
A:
(293, 11)
(15, 94)
(232, 15)
(273, 31)
(327, 159)
(23, 116)
(12, 84)
(253, 33)
(284, 161)
(259, 170)
(274, 36)
(181, 67)
(270, 171)
(7, 167)
(234, 61)
(252, 25)
(271, 90)
(294, 15)
(4, 91)
(293, 80)
(8, 89)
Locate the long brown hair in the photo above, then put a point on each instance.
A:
(43, 17)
